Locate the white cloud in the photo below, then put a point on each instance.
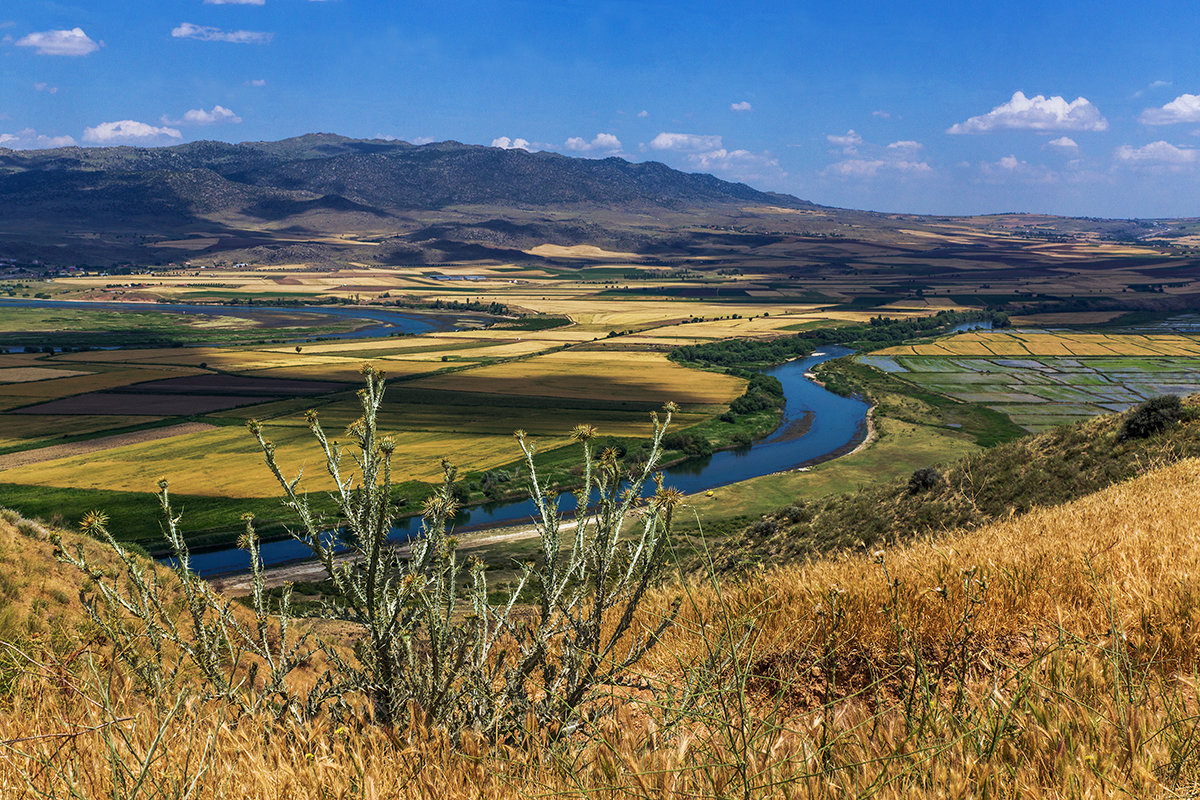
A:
(258, 83)
(235, 2)
(1185, 108)
(737, 164)
(897, 158)
(870, 167)
(744, 105)
(207, 33)
(1158, 153)
(685, 142)
(29, 139)
(505, 143)
(1153, 87)
(45, 87)
(881, 114)
(128, 130)
(1012, 170)
(198, 116)
(1064, 143)
(643, 114)
(1037, 113)
(849, 139)
(602, 143)
(73, 42)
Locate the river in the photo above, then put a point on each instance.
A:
(817, 425)
(386, 320)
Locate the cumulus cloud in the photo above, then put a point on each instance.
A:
(601, 143)
(257, 83)
(907, 145)
(881, 114)
(73, 42)
(685, 142)
(45, 87)
(1037, 113)
(744, 105)
(198, 116)
(1185, 108)
(29, 139)
(643, 114)
(207, 33)
(849, 139)
(127, 131)
(1063, 142)
(505, 143)
(1158, 153)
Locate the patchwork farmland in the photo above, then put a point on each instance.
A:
(1041, 379)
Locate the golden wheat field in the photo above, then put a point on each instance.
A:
(225, 461)
(1056, 652)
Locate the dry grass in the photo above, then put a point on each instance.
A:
(1048, 656)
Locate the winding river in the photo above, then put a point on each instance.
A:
(817, 425)
(385, 321)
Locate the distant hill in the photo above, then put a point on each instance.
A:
(374, 176)
(109, 204)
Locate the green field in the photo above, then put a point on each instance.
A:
(1040, 392)
(75, 327)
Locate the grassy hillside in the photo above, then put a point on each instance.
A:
(1046, 655)
(1046, 469)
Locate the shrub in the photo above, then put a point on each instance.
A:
(924, 479)
(1154, 415)
(765, 527)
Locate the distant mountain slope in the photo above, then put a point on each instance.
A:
(375, 176)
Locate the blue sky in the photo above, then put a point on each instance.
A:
(887, 106)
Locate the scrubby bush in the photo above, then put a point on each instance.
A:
(1154, 415)
(765, 527)
(924, 479)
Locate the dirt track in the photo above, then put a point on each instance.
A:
(27, 457)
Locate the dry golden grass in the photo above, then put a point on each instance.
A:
(1068, 674)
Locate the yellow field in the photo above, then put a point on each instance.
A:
(90, 382)
(595, 374)
(26, 374)
(1013, 343)
(225, 462)
(18, 428)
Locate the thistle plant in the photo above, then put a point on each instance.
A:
(427, 649)
(171, 632)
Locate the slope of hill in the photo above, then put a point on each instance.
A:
(1047, 469)
(375, 175)
(1045, 655)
